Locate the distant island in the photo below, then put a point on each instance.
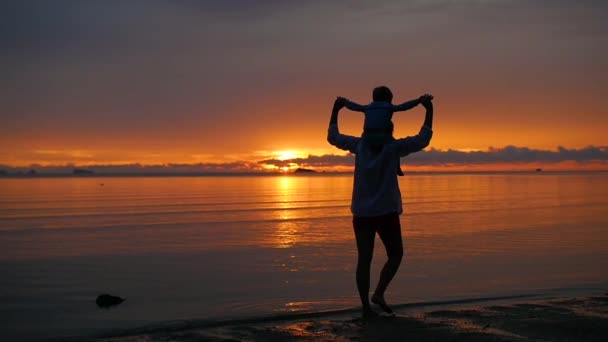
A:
(81, 172)
(303, 170)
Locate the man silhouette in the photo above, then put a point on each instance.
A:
(376, 199)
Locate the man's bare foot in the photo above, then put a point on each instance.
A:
(378, 300)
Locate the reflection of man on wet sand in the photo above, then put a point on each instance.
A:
(376, 200)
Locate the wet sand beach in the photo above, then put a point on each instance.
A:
(553, 319)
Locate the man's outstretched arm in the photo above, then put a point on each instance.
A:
(428, 104)
(338, 104)
(418, 142)
(334, 137)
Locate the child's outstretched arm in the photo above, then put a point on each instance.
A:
(355, 107)
(407, 105)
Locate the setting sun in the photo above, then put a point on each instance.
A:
(288, 154)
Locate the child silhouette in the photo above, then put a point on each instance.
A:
(377, 127)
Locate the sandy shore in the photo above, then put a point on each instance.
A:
(556, 319)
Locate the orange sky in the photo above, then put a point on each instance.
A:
(186, 83)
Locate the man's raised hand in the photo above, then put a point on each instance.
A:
(426, 99)
(339, 103)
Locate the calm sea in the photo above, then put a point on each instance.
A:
(242, 246)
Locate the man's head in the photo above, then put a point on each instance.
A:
(382, 93)
(376, 140)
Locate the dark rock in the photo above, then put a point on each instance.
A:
(105, 300)
(303, 170)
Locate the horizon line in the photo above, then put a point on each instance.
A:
(271, 173)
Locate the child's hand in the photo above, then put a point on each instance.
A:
(339, 103)
(425, 99)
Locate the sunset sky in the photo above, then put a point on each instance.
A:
(246, 85)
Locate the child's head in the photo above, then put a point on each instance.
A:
(382, 93)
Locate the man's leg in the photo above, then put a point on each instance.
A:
(390, 233)
(364, 234)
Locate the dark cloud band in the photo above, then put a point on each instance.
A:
(505, 155)
(508, 154)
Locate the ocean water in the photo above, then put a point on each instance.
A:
(250, 246)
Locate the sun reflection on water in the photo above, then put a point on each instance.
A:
(287, 232)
